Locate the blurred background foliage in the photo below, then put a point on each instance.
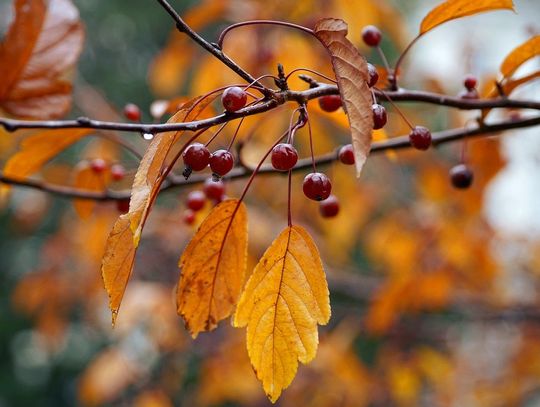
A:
(432, 304)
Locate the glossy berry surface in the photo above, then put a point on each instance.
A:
(234, 98)
(317, 186)
(284, 157)
(214, 189)
(461, 176)
(379, 116)
(196, 200)
(196, 156)
(346, 154)
(373, 75)
(420, 138)
(118, 172)
(371, 35)
(329, 207)
(221, 162)
(132, 112)
(330, 103)
(189, 217)
(98, 165)
(470, 82)
(122, 205)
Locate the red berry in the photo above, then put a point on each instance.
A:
(379, 116)
(330, 103)
(317, 186)
(284, 157)
(461, 176)
(346, 154)
(371, 35)
(196, 156)
(420, 138)
(122, 205)
(221, 162)
(132, 112)
(234, 98)
(329, 207)
(470, 94)
(118, 172)
(189, 217)
(196, 200)
(470, 82)
(373, 75)
(214, 189)
(98, 165)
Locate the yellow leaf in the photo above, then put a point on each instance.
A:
(284, 300)
(88, 179)
(521, 54)
(39, 148)
(213, 268)
(452, 9)
(350, 69)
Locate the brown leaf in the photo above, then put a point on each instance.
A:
(452, 9)
(213, 268)
(350, 69)
(521, 54)
(40, 48)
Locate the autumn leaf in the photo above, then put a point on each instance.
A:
(284, 300)
(452, 9)
(40, 48)
(519, 55)
(38, 149)
(351, 73)
(88, 179)
(124, 238)
(213, 268)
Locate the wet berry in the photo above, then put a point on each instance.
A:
(379, 116)
(132, 112)
(346, 154)
(470, 82)
(234, 98)
(118, 172)
(284, 157)
(196, 156)
(371, 35)
(221, 162)
(196, 200)
(98, 165)
(420, 138)
(461, 176)
(189, 217)
(329, 207)
(214, 189)
(330, 103)
(373, 75)
(317, 186)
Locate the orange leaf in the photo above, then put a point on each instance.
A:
(350, 69)
(88, 179)
(213, 268)
(521, 54)
(124, 238)
(41, 46)
(452, 9)
(39, 148)
(284, 300)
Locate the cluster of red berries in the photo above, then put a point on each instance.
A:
(213, 190)
(197, 157)
(470, 91)
(117, 173)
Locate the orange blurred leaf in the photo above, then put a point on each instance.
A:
(452, 9)
(213, 268)
(39, 148)
(284, 300)
(88, 179)
(350, 69)
(520, 54)
(41, 47)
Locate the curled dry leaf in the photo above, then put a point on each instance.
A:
(529, 49)
(213, 268)
(351, 73)
(452, 9)
(40, 48)
(124, 239)
(284, 300)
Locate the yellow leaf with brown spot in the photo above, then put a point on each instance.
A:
(351, 73)
(39, 148)
(213, 268)
(521, 54)
(284, 300)
(452, 9)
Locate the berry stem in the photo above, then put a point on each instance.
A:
(384, 60)
(235, 134)
(397, 109)
(310, 141)
(289, 216)
(215, 134)
(393, 82)
(311, 71)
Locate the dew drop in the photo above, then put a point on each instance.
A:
(148, 136)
